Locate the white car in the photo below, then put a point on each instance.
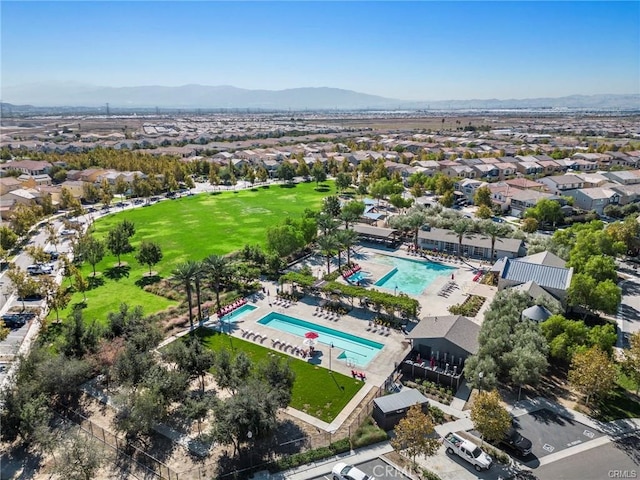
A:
(344, 471)
(39, 269)
(66, 232)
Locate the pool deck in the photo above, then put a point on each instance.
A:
(356, 322)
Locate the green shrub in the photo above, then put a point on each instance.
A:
(367, 434)
(436, 414)
(309, 456)
(429, 475)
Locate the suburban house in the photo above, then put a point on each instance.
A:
(539, 274)
(595, 199)
(468, 188)
(624, 177)
(523, 199)
(474, 245)
(561, 183)
(30, 167)
(8, 184)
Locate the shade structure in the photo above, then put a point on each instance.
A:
(309, 342)
(311, 335)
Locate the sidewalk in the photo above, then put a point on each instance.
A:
(324, 467)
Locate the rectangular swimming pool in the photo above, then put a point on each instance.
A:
(240, 312)
(358, 350)
(410, 276)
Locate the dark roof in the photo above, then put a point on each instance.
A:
(373, 231)
(400, 401)
(544, 258)
(537, 313)
(544, 275)
(457, 329)
(471, 239)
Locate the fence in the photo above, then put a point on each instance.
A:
(149, 465)
(252, 462)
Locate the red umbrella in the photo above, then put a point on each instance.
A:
(311, 335)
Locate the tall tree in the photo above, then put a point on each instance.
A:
(185, 274)
(631, 360)
(328, 247)
(149, 253)
(415, 434)
(462, 228)
(489, 417)
(216, 268)
(318, 173)
(592, 373)
(118, 241)
(93, 251)
(494, 231)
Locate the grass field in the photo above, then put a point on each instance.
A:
(315, 391)
(189, 228)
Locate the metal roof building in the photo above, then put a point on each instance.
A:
(390, 409)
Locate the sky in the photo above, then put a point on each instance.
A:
(402, 50)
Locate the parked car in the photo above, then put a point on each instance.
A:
(138, 201)
(344, 471)
(515, 441)
(467, 450)
(52, 254)
(65, 232)
(39, 269)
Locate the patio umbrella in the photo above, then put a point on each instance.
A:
(309, 342)
(311, 335)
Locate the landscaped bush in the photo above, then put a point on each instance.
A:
(469, 308)
(302, 458)
(429, 475)
(367, 434)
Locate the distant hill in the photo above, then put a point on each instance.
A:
(193, 96)
(322, 98)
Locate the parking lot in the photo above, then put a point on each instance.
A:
(550, 433)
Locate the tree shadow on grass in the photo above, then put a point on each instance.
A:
(118, 272)
(95, 282)
(323, 189)
(147, 280)
(79, 305)
(254, 189)
(216, 193)
(288, 185)
(266, 187)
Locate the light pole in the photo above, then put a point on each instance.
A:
(250, 436)
(395, 290)
(480, 377)
(330, 354)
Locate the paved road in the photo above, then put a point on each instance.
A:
(628, 317)
(612, 460)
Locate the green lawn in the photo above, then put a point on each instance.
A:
(190, 228)
(316, 391)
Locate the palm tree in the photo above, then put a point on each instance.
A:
(185, 273)
(494, 231)
(414, 221)
(217, 268)
(348, 217)
(328, 245)
(327, 224)
(347, 239)
(196, 279)
(461, 228)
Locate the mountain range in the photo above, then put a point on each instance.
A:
(321, 98)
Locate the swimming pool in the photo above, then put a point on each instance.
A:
(358, 350)
(357, 277)
(240, 312)
(410, 276)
